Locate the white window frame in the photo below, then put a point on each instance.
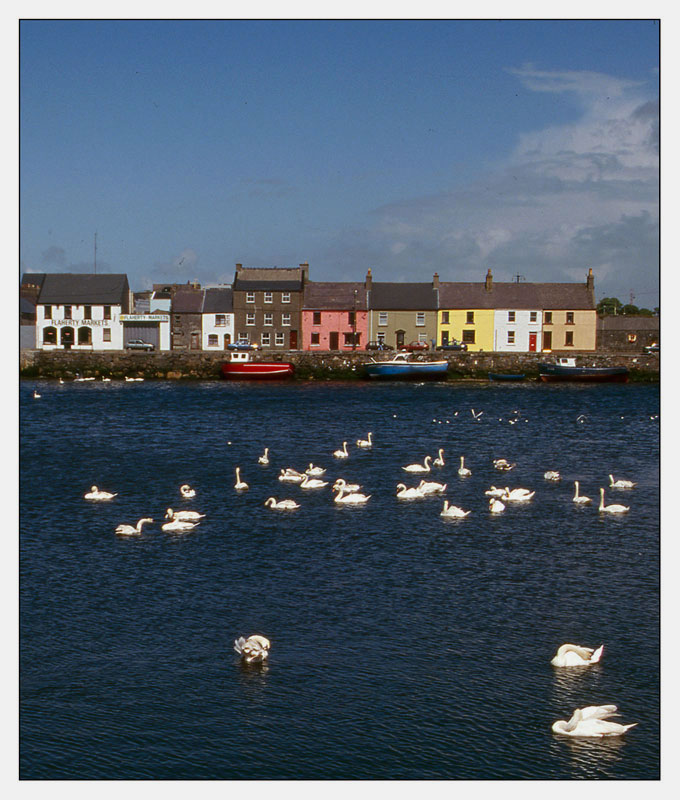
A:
(382, 318)
(279, 339)
(285, 319)
(250, 297)
(511, 316)
(244, 338)
(220, 320)
(511, 337)
(250, 318)
(285, 297)
(533, 316)
(215, 343)
(266, 339)
(420, 318)
(268, 318)
(269, 297)
(422, 337)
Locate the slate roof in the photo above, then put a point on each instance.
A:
(275, 279)
(190, 302)
(539, 296)
(77, 289)
(33, 279)
(403, 296)
(26, 306)
(333, 295)
(218, 301)
(624, 322)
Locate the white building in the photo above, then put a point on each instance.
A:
(517, 330)
(217, 319)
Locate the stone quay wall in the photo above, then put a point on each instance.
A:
(198, 365)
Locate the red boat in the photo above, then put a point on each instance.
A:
(241, 367)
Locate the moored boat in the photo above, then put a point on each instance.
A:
(565, 369)
(503, 376)
(404, 366)
(240, 366)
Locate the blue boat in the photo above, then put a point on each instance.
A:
(565, 369)
(502, 376)
(404, 366)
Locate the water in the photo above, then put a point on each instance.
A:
(403, 646)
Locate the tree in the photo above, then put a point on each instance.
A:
(630, 310)
(609, 305)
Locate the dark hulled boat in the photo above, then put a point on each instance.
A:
(565, 369)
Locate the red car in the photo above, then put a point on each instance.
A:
(413, 346)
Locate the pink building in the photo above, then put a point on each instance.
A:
(334, 316)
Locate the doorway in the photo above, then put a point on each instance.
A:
(400, 339)
(334, 340)
(532, 342)
(293, 340)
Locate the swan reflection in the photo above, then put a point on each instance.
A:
(589, 758)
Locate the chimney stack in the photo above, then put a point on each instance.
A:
(239, 267)
(435, 281)
(305, 271)
(368, 283)
(590, 280)
(488, 283)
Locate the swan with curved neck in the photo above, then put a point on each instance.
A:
(183, 515)
(179, 525)
(575, 655)
(581, 499)
(312, 483)
(495, 506)
(614, 508)
(253, 649)
(517, 495)
(187, 492)
(342, 484)
(351, 498)
(281, 505)
(439, 461)
(314, 471)
(97, 494)
(366, 442)
(431, 487)
(502, 464)
(424, 467)
(264, 458)
(240, 485)
(291, 476)
(463, 471)
(493, 491)
(342, 453)
(592, 722)
(412, 493)
(453, 511)
(127, 530)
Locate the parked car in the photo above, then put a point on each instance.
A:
(379, 346)
(413, 346)
(139, 344)
(652, 348)
(241, 346)
(454, 345)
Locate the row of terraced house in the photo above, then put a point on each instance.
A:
(281, 309)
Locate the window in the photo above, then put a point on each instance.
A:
(469, 336)
(511, 337)
(532, 316)
(445, 317)
(269, 297)
(349, 339)
(569, 339)
(250, 319)
(632, 338)
(84, 335)
(285, 319)
(67, 312)
(213, 340)
(420, 318)
(87, 313)
(178, 319)
(50, 336)
(422, 337)
(106, 337)
(279, 339)
(315, 341)
(511, 316)
(48, 312)
(351, 318)
(548, 317)
(316, 320)
(381, 337)
(244, 338)
(470, 318)
(107, 312)
(570, 317)
(268, 319)
(266, 339)
(220, 320)
(250, 297)
(285, 297)
(382, 317)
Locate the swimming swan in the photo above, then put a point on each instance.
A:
(291, 476)
(574, 655)
(253, 649)
(179, 525)
(494, 492)
(187, 492)
(597, 726)
(340, 483)
(412, 493)
(463, 471)
(580, 498)
(431, 487)
(128, 529)
(264, 458)
(96, 494)
(439, 461)
(184, 515)
(552, 475)
(453, 511)
(620, 484)
(281, 505)
(314, 471)
(612, 509)
(239, 485)
(424, 467)
(36, 396)
(342, 453)
(502, 464)
(351, 498)
(517, 495)
(495, 506)
(366, 442)
(312, 483)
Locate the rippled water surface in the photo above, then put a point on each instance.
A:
(403, 645)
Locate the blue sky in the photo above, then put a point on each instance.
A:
(527, 147)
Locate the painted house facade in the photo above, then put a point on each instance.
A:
(400, 313)
(217, 318)
(466, 314)
(187, 319)
(334, 316)
(569, 315)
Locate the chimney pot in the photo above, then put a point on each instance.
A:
(488, 283)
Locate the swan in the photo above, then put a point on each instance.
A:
(612, 509)
(291, 476)
(312, 483)
(179, 525)
(502, 464)
(494, 492)
(340, 483)
(592, 726)
(463, 471)
(342, 453)
(620, 484)
(495, 506)
(312, 470)
(424, 467)
(580, 498)
(517, 495)
(253, 649)
(574, 655)
(439, 461)
(551, 475)
(97, 494)
(431, 487)
(106, 380)
(366, 442)
(183, 515)
(453, 511)
(281, 505)
(264, 458)
(239, 485)
(351, 498)
(187, 492)
(128, 529)
(412, 493)
(36, 396)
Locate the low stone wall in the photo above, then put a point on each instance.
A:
(308, 366)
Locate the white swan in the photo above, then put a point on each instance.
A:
(98, 494)
(312, 483)
(597, 726)
(253, 649)
(614, 508)
(580, 498)
(453, 511)
(183, 515)
(106, 380)
(517, 495)
(463, 471)
(291, 476)
(36, 396)
(187, 492)
(128, 529)
(439, 461)
(552, 475)
(494, 492)
(424, 467)
(264, 458)
(574, 655)
(314, 471)
(495, 506)
(351, 498)
(431, 487)
(366, 442)
(342, 453)
(502, 464)
(240, 485)
(179, 525)
(342, 484)
(281, 505)
(620, 484)
(412, 493)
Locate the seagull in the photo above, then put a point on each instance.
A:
(477, 415)
(253, 649)
(575, 655)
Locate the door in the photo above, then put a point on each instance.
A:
(334, 340)
(400, 339)
(293, 340)
(445, 337)
(227, 340)
(67, 338)
(547, 340)
(532, 342)
(195, 340)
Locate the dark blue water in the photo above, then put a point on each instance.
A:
(403, 646)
